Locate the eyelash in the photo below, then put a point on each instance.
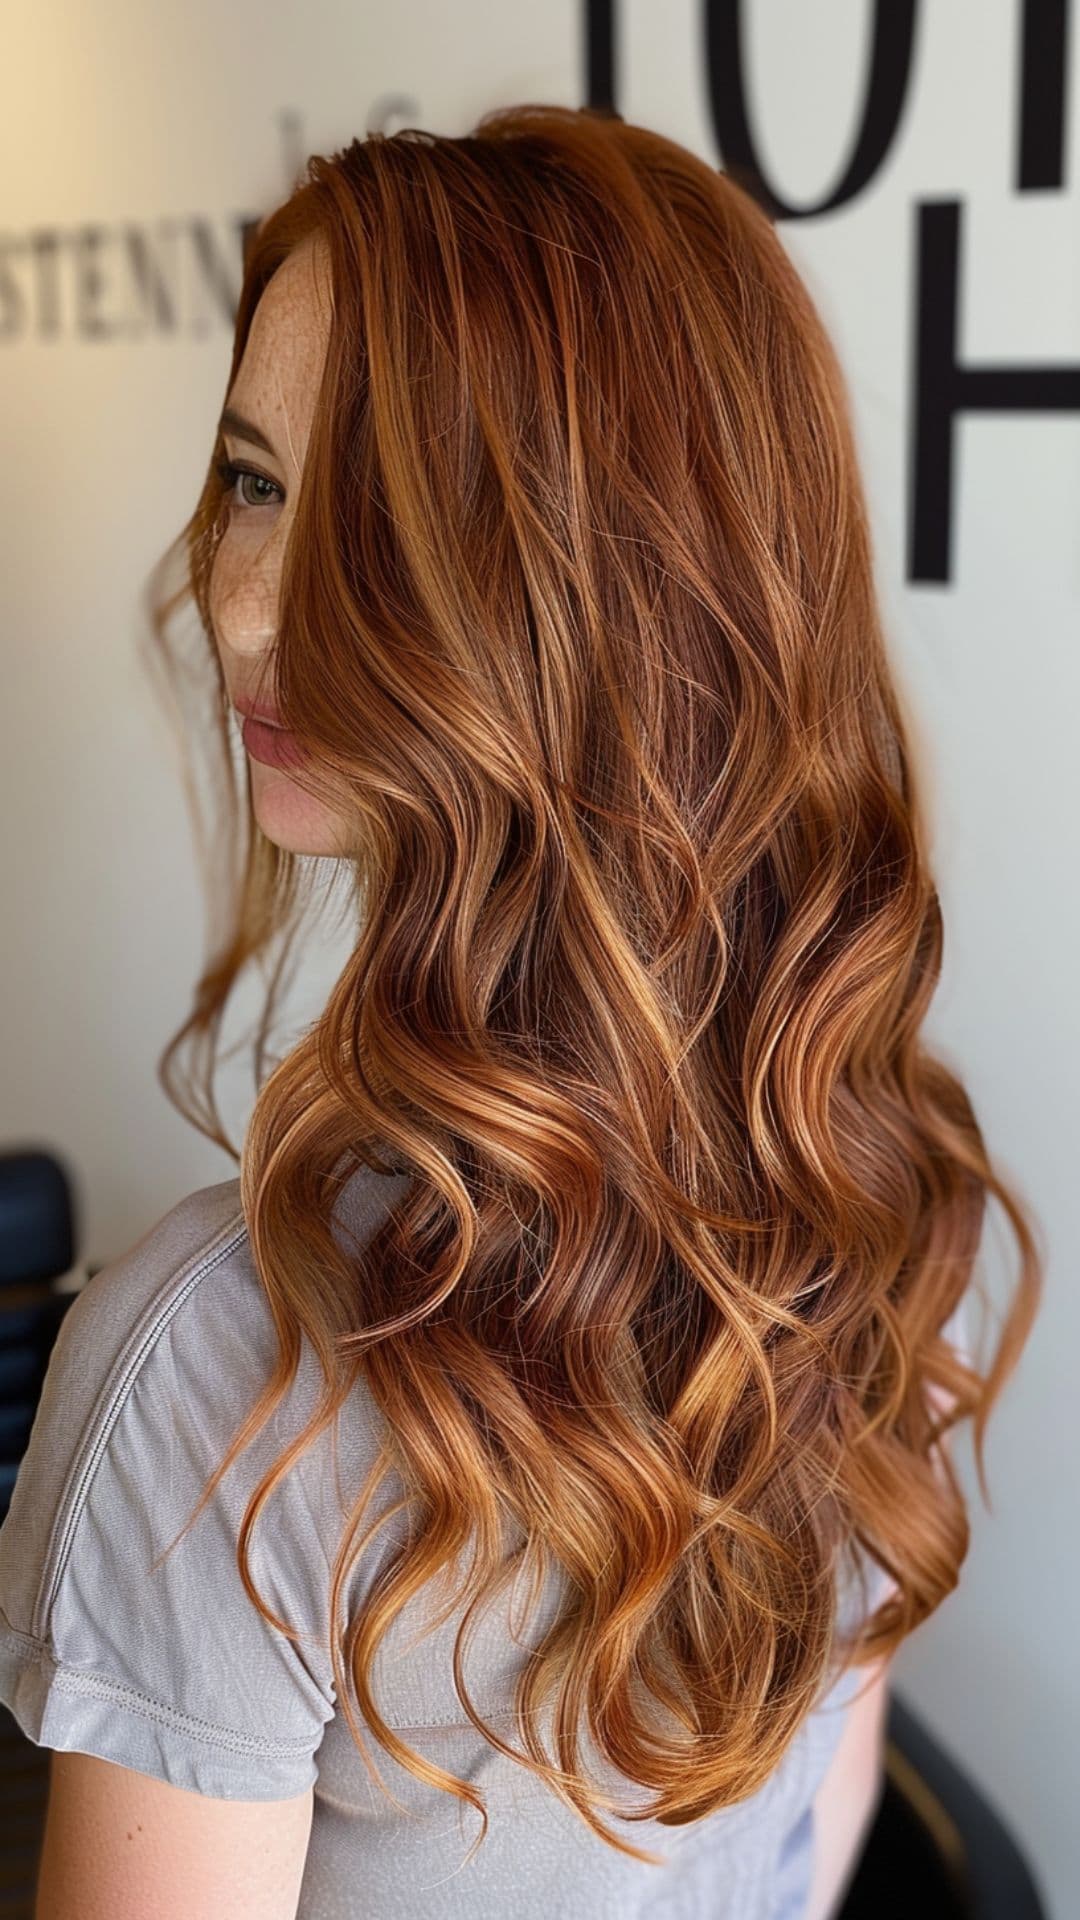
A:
(229, 473)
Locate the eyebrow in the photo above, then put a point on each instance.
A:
(234, 423)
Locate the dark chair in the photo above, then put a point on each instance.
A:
(37, 1248)
(937, 1849)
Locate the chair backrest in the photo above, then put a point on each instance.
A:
(36, 1248)
(937, 1848)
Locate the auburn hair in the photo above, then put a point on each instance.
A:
(578, 613)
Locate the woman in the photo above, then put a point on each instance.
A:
(591, 1284)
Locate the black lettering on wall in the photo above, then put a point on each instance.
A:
(891, 47)
(943, 388)
(98, 282)
(217, 271)
(599, 54)
(88, 283)
(1040, 160)
(45, 255)
(155, 277)
(12, 300)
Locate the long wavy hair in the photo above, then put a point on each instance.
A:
(578, 614)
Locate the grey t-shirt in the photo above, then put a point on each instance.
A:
(175, 1673)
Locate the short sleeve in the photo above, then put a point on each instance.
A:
(172, 1671)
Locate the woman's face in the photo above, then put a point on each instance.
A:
(266, 425)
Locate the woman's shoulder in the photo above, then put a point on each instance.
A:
(183, 1306)
(176, 1331)
(192, 1253)
(107, 1337)
(113, 1640)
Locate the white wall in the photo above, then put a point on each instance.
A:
(124, 116)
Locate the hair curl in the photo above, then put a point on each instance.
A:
(578, 610)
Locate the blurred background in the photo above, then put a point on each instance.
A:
(920, 160)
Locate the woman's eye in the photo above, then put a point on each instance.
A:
(229, 473)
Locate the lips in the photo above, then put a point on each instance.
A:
(264, 736)
(272, 745)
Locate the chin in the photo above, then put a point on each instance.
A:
(292, 819)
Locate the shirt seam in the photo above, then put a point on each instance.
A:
(32, 1651)
(101, 1686)
(99, 1431)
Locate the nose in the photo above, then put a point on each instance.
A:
(243, 600)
